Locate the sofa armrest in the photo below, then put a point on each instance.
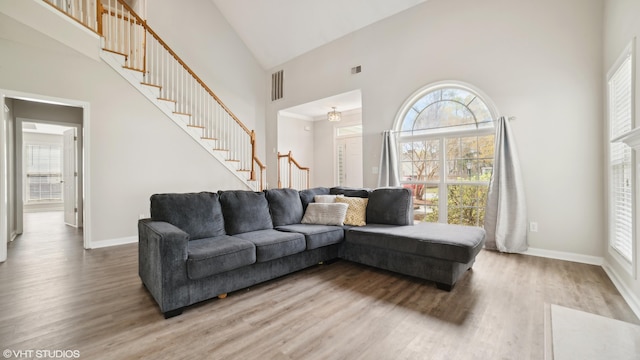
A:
(162, 263)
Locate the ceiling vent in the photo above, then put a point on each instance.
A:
(277, 82)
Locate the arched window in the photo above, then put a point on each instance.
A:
(445, 139)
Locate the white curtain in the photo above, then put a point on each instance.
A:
(388, 170)
(505, 218)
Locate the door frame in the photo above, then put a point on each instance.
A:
(85, 150)
(20, 170)
(336, 139)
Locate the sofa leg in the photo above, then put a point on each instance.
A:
(222, 296)
(443, 286)
(172, 313)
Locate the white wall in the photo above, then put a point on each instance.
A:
(621, 24)
(203, 38)
(297, 136)
(324, 173)
(540, 61)
(133, 149)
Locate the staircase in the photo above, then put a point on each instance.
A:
(291, 174)
(135, 51)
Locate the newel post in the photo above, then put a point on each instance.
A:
(253, 155)
(99, 11)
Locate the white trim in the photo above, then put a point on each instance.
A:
(114, 242)
(4, 204)
(86, 170)
(627, 294)
(566, 256)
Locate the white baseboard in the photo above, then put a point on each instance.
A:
(560, 255)
(627, 294)
(114, 242)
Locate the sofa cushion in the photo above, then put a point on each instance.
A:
(357, 211)
(285, 206)
(272, 244)
(197, 214)
(316, 235)
(456, 243)
(325, 214)
(245, 211)
(307, 196)
(391, 206)
(210, 256)
(350, 192)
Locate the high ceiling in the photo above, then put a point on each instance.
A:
(277, 31)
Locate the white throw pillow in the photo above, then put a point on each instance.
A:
(325, 199)
(325, 214)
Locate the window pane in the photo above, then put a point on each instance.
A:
(419, 160)
(425, 202)
(466, 204)
(44, 172)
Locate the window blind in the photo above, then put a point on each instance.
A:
(620, 159)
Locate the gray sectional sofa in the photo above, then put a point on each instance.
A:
(197, 246)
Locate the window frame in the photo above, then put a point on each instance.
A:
(629, 265)
(442, 135)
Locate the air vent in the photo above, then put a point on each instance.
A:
(356, 69)
(277, 82)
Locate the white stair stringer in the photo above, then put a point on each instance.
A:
(168, 107)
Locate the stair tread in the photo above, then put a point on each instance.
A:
(165, 99)
(116, 52)
(232, 160)
(132, 68)
(216, 149)
(196, 126)
(149, 84)
(208, 138)
(181, 113)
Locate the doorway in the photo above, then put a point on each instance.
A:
(349, 156)
(50, 170)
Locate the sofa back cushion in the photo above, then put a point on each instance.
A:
(307, 196)
(392, 206)
(245, 211)
(350, 192)
(197, 214)
(285, 206)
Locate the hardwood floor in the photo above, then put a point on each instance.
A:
(56, 296)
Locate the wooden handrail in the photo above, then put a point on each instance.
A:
(292, 161)
(184, 65)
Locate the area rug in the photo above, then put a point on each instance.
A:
(573, 334)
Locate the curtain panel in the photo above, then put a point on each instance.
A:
(505, 218)
(388, 170)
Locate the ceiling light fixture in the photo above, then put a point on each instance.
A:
(334, 115)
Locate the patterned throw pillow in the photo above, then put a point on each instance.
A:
(357, 211)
